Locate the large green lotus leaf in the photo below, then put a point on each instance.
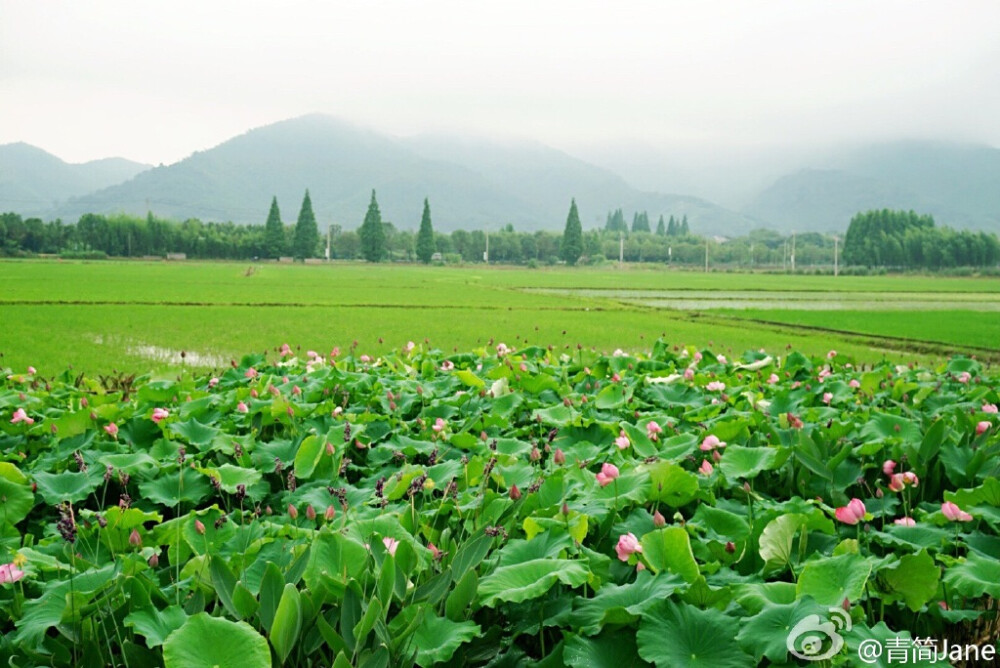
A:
(671, 484)
(881, 635)
(133, 463)
(756, 596)
(335, 556)
(437, 638)
(777, 538)
(623, 604)
(747, 463)
(530, 579)
(68, 486)
(612, 649)
(682, 636)
(915, 579)
(976, 576)
(195, 433)
(230, 477)
(41, 614)
(988, 493)
(155, 624)
(669, 549)
(16, 499)
(721, 524)
(831, 580)
(883, 425)
(171, 489)
(765, 633)
(211, 642)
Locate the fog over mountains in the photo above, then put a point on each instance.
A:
(474, 183)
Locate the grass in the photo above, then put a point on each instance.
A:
(131, 316)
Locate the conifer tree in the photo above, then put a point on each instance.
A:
(684, 229)
(425, 237)
(274, 232)
(572, 241)
(306, 232)
(661, 229)
(372, 233)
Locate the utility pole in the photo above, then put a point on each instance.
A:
(670, 255)
(486, 255)
(751, 255)
(706, 255)
(621, 250)
(836, 266)
(793, 251)
(328, 228)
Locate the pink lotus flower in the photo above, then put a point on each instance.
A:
(896, 482)
(21, 416)
(854, 383)
(827, 397)
(502, 349)
(365, 359)
(627, 545)
(10, 573)
(447, 365)
(697, 356)
(823, 374)
(964, 377)
(772, 379)
(335, 352)
(242, 408)
(296, 390)
(711, 442)
(31, 371)
(390, 545)
(989, 408)
(160, 414)
(852, 513)
(408, 348)
(608, 473)
(688, 373)
(830, 355)
(250, 373)
(286, 350)
(337, 411)
(721, 359)
(652, 429)
(212, 382)
(112, 430)
(706, 468)
(954, 513)
(439, 425)
(982, 427)
(716, 386)
(622, 441)
(888, 467)
(313, 355)
(910, 478)
(905, 521)
(435, 552)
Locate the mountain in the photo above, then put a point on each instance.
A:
(958, 184)
(33, 181)
(470, 184)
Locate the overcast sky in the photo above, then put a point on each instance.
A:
(154, 81)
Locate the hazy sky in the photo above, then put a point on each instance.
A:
(154, 81)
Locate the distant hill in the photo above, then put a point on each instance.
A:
(958, 184)
(469, 184)
(33, 182)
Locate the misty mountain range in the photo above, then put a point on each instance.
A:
(477, 183)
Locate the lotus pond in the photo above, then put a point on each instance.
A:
(499, 507)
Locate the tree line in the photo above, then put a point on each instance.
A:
(907, 240)
(874, 239)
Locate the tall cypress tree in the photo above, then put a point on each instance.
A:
(572, 241)
(425, 237)
(661, 230)
(274, 232)
(372, 234)
(306, 233)
(684, 229)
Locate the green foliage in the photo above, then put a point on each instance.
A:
(425, 237)
(306, 233)
(275, 245)
(372, 234)
(571, 247)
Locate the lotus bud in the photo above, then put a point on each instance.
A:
(730, 546)
(310, 513)
(515, 493)
(658, 519)
(154, 560)
(199, 527)
(293, 512)
(134, 539)
(330, 513)
(559, 457)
